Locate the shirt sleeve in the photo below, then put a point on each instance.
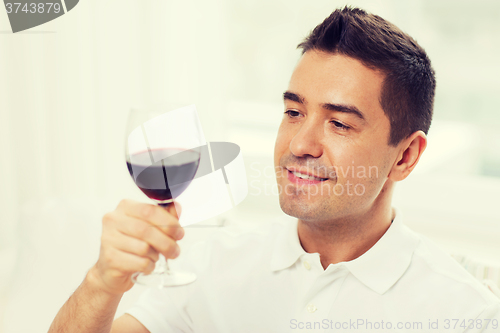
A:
(160, 311)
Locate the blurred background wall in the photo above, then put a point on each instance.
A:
(66, 88)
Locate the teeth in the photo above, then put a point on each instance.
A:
(302, 176)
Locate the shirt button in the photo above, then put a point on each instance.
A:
(307, 265)
(311, 308)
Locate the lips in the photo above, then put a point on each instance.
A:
(307, 176)
(304, 173)
(303, 177)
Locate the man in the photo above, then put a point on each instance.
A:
(357, 111)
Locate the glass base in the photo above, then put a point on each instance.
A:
(163, 279)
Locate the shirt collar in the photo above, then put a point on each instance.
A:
(287, 248)
(378, 268)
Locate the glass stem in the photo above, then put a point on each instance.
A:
(162, 265)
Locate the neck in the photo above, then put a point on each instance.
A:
(346, 238)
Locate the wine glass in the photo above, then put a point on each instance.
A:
(162, 150)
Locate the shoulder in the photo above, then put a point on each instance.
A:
(441, 277)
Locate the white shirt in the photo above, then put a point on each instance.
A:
(264, 281)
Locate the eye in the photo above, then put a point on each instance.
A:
(292, 113)
(339, 125)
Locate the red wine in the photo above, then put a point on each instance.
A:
(166, 178)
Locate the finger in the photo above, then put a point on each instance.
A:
(138, 228)
(144, 231)
(134, 246)
(153, 214)
(174, 208)
(127, 263)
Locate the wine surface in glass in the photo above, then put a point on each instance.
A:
(166, 178)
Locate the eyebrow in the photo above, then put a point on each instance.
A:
(288, 95)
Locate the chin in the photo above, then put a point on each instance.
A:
(318, 211)
(301, 210)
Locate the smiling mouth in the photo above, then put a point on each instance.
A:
(306, 177)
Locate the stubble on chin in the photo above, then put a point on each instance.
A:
(297, 205)
(322, 210)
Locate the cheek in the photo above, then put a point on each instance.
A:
(356, 164)
(369, 174)
(282, 144)
(341, 154)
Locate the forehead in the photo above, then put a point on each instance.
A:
(334, 78)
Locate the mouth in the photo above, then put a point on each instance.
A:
(303, 177)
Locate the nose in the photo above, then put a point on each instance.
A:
(307, 141)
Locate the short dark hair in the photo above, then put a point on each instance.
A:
(407, 96)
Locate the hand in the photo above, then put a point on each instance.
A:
(133, 235)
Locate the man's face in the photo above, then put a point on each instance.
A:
(333, 128)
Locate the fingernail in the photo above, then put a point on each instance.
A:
(177, 251)
(179, 233)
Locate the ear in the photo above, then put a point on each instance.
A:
(409, 153)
